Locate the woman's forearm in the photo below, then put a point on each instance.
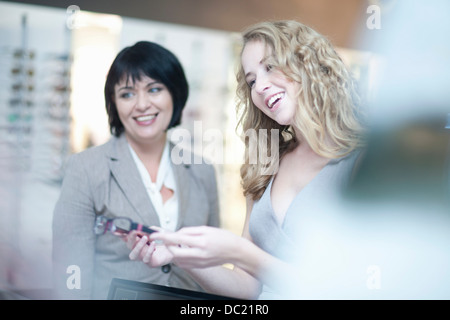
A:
(263, 266)
(252, 267)
(225, 281)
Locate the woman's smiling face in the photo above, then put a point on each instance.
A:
(272, 92)
(145, 108)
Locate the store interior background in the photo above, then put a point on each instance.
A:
(52, 102)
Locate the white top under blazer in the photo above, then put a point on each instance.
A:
(168, 211)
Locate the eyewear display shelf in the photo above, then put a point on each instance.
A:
(35, 127)
(34, 113)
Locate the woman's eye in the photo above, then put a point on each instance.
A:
(269, 67)
(155, 89)
(251, 83)
(126, 95)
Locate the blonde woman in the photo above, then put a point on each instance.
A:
(292, 83)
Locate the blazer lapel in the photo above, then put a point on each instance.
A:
(181, 173)
(124, 170)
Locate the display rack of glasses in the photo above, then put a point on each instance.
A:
(34, 112)
(51, 119)
(16, 107)
(35, 125)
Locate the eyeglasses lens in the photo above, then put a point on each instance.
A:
(100, 225)
(121, 226)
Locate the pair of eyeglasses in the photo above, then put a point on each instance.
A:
(119, 226)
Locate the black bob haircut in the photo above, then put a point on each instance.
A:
(152, 60)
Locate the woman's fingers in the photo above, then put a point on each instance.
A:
(130, 239)
(193, 247)
(148, 254)
(183, 237)
(156, 228)
(174, 239)
(136, 251)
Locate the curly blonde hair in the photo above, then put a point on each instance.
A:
(328, 115)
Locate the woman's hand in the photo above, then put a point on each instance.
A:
(200, 247)
(150, 252)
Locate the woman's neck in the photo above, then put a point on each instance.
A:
(151, 152)
(302, 147)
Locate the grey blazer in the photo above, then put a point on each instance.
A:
(105, 180)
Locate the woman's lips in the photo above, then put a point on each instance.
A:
(274, 99)
(146, 119)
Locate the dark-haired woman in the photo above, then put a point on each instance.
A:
(131, 176)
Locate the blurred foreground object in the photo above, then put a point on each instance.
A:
(408, 163)
(388, 237)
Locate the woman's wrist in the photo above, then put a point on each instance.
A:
(240, 252)
(252, 259)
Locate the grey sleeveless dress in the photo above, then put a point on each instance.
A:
(278, 238)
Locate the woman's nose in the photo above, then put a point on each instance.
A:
(261, 85)
(143, 101)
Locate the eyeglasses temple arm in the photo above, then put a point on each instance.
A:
(141, 227)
